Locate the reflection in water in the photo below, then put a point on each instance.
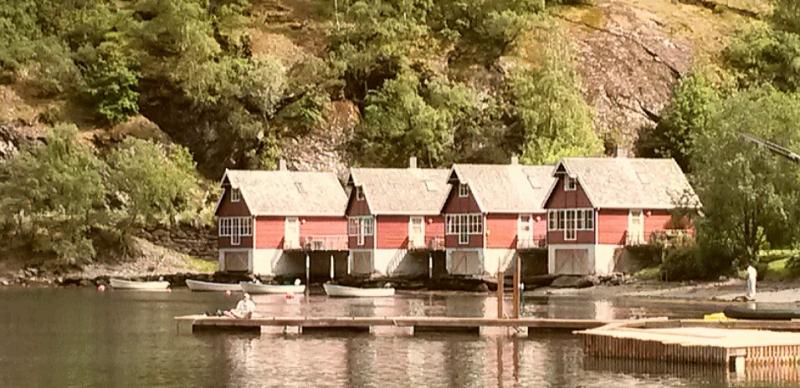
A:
(77, 337)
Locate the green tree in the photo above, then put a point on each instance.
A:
(750, 196)
(551, 118)
(53, 196)
(694, 103)
(111, 83)
(153, 184)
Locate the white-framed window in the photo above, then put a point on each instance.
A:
(235, 226)
(463, 190)
(570, 232)
(570, 184)
(359, 193)
(588, 217)
(236, 195)
(360, 227)
(464, 224)
(552, 219)
(463, 238)
(236, 239)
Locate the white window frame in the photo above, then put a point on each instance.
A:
(570, 184)
(463, 190)
(588, 223)
(360, 227)
(469, 223)
(236, 239)
(359, 193)
(463, 238)
(570, 223)
(235, 226)
(236, 195)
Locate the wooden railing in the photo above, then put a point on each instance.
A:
(537, 242)
(317, 243)
(426, 244)
(665, 235)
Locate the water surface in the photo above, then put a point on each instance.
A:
(79, 337)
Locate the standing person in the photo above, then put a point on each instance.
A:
(752, 274)
(244, 309)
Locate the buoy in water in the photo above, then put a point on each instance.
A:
(101, 288)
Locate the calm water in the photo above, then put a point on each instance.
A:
(78, 337)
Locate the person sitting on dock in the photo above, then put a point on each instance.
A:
(244, 309)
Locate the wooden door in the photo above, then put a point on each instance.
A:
(291, 233)
(416, 231)
(465, 263)
(572, 262)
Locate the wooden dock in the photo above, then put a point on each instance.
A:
(710, 343)
(387, 325)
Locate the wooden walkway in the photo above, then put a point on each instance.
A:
(706, 343)
(399, 325)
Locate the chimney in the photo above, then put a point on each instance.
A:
(412, 162)
(281, 164)
(514, 159)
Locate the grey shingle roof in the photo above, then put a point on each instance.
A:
(400, 191)
(507, 188)
(624, 183)
(290, 193)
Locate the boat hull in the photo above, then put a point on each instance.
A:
(740, 312)
(253, 288)
(121, 284)
(196, 285)
(355, 292)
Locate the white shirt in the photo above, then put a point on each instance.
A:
(246, 306)
(751, 273)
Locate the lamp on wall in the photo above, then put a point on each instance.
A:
(648, 213)
(488, 232)
(538, 218)
(302, 220)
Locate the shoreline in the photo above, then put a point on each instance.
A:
(727, 291)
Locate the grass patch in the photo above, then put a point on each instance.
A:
(649, 273)
(768, 256)
(201, 265)
(776, 270)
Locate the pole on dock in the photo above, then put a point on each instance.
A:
(308, 271)
(430, 266)
(333, 267)
(500, 289)
(516, 292)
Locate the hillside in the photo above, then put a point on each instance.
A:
(120, 116)
(629, 54)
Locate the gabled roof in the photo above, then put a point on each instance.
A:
(506, 188)
(289, 193)
(402, 191)
(631, 183)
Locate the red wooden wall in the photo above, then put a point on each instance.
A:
(434, 227)
(560, 199)
(357, 207)
(501, 231)
(392, 232)
(231, 209)
(456, 204)
(322, 226)
(269, 232)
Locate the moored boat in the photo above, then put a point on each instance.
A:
(258, 288)
(772, 314)
(345, 291)
(122, 284)
(197, 285)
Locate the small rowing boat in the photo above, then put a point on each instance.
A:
(197, 285)
(258, 288)
(771, 314)
(345, 291)
(121, 284)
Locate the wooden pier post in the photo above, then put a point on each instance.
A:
(516, 292)
(333, 267)
(430, 266)
(500, 290)
(308, 271)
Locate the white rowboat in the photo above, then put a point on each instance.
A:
(255, 288)
(122, 284)
(345, 291)
(196, 285)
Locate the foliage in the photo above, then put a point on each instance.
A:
(154, 185)
(53, 195)
(61, 197)
(552, 119)
(750, 196)
(111, 82)
(688, 116)
(684, 262)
